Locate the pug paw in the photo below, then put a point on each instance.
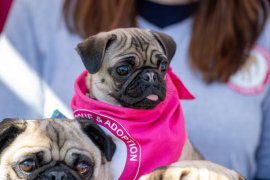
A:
(189, 170)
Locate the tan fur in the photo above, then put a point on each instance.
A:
(191, 166)
(190, 153)
(101, 90)
(58, 139)
(193, 170)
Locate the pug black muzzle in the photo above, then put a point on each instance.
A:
(144, 90)
(58, 171)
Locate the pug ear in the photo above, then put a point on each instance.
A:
(167, 43)
(98, 136)
(9, 130)
(92, 50)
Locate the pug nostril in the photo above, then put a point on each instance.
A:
(57, 175)
(150, 77)
(155, 77)
(146, 77)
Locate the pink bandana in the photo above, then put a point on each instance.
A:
(145, 139)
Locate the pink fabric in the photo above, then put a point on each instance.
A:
(153, 138)
(4, 8)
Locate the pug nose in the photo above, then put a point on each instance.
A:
(54, 175)
(150, 77)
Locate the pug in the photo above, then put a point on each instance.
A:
(127, 67)
(54, 149)
(133, 94)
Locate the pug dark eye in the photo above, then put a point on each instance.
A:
(123, 70)
(163, 66)
(27, 166)
(83, 168)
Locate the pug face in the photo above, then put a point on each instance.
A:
(127, 67)
(54, 149)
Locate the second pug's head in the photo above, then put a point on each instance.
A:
(127, 67)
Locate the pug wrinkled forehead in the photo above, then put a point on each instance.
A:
(127, 66)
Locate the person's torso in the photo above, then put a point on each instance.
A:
(221, 132)
(224, 121)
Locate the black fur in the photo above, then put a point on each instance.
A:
(92, 51)
(55, 171)
(167, 43)
(9, 130)
(98, 136)
(133, 92)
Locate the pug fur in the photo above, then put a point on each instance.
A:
(127, 67)
(143, 51)
(59, 149)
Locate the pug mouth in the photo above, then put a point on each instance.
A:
(146, 104)
(152, 97)
(148, 98)
(140, 93)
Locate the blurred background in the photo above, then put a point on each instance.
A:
(5, 5)
(222, 57)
